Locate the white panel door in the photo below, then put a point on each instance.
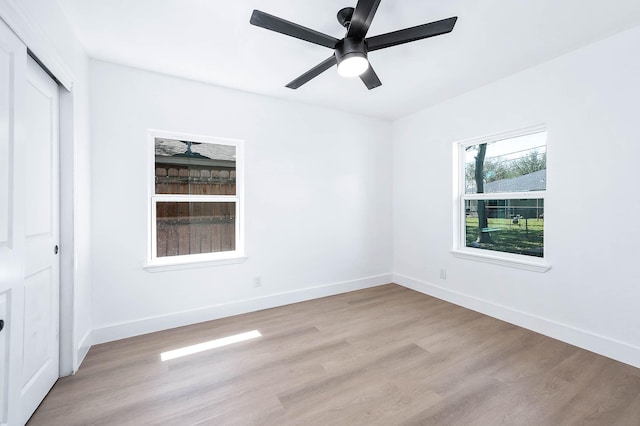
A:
(13, 62)
(40, 355)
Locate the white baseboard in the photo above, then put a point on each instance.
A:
(178, 319)
(611, 348)
(83, 350)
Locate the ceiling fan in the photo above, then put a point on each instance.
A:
(350, 52)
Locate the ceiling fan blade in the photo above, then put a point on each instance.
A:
(362, 17)
(370, 78)
(411, 34)
(313, 72)
(279, 25)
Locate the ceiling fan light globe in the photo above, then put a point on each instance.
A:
(353, 66)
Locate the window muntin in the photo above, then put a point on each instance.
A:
(502, 191)
(196, 199)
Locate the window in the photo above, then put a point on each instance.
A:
(196, 199)
(502, 183)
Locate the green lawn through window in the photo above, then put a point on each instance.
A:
(525, 237)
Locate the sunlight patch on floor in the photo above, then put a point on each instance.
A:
(212, 344)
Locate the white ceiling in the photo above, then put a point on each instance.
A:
(213, 42)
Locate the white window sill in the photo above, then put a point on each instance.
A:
(185, 264)
(529, 265)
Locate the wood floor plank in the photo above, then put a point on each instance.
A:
(630, 416)
(381, 356)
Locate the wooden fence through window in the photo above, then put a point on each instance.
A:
(184, 228)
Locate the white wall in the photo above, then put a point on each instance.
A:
(318, 211)
(43, 27)
(590, 101)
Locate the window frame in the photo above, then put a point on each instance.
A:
(153, 262)
(460, 249)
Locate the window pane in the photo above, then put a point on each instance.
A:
(184, 167)
(510, 165)
(195, 227)
(511, 226)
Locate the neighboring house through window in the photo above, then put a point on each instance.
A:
(502, 184)
(196, 199)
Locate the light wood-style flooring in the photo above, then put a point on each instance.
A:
(380, 356)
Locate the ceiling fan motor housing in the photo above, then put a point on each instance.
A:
(350, 46)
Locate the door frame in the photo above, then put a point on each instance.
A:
(40, 48)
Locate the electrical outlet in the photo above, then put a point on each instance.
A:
(443, 273)
(257, 281)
